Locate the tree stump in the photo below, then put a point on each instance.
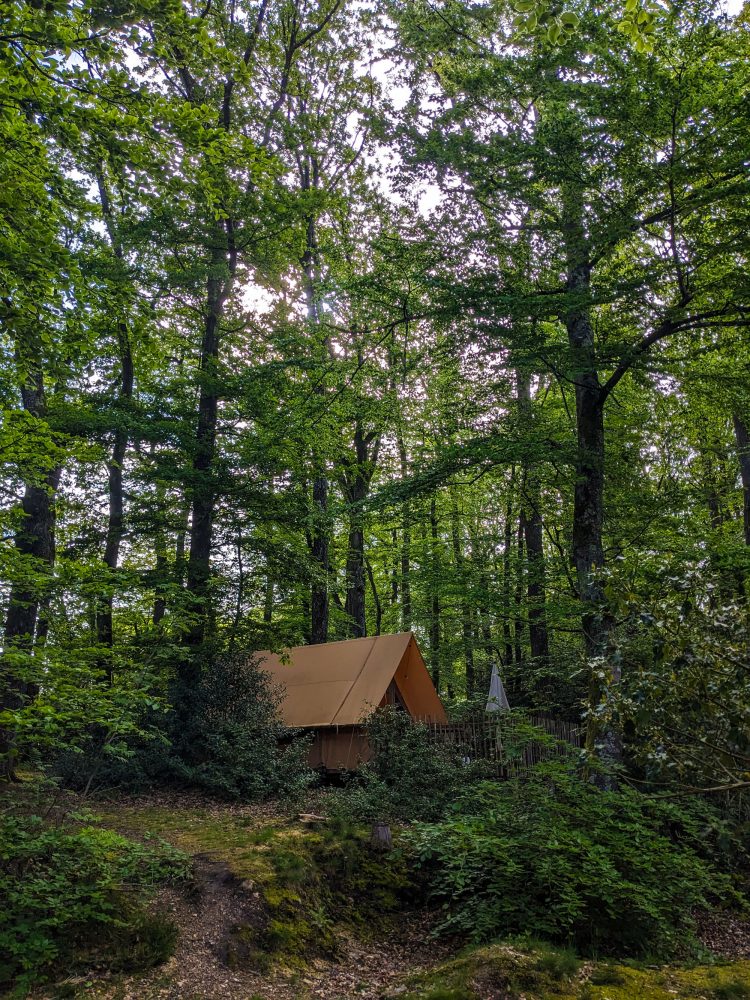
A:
(380, 837)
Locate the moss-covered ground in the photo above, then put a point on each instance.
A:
(539, 972)
(322, 886)
(314, 881)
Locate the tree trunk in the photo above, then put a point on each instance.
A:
(435, 600)
(319, 544)
(375, 597)
(483, 621)
(395, 566)
(354, 606)
(240, 595)
(536, 591)
(518, 622)
(405, 544)
(507, 542)
(319, 600)
(180, 563)
(356, 477)
(204, 491)
(115, 524)
(34, 541)
(588, 502)
(742, 439)
(533, 539)
(161, 571)
(466, 630)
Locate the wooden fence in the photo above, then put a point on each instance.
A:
(507, 741)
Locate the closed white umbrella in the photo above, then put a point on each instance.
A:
(497, 700)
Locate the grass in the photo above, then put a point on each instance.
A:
(314, 881)
(732, 990)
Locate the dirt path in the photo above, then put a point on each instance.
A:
(202, 967)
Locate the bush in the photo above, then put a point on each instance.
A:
(408, 777)
(232, 743)
(411, 777)
(610, 872)
(70, 893)
(236, 746)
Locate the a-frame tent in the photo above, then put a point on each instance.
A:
(332, 687)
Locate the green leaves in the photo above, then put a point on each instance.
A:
(639, 23)
(66, 887)
(610, 872)
(538, 20)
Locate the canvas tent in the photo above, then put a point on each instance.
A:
(497, 700)
(332, 687)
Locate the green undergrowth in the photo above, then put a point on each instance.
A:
(313, 882)
(614, 873)
(75, 895)
(540, 972)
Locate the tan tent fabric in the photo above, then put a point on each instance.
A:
(340, 683)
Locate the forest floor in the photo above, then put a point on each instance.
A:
(260, 876)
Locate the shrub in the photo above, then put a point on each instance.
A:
(408, 777)
(605, 871)
(236, 746)
(232, 744)
(65, 890)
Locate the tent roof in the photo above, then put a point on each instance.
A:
(338, 683)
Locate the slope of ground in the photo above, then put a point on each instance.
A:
(284, 910)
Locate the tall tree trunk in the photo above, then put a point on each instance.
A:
(466, 630)
(115, 522)
(35, 543)
(395, 566)
(588, 502)
(483, 622)
(180, 562)
(319, 599)
(507, 542)
(435, 651)
(742, 439)
(518, 622)
(405, 542)
(203, 488)
(533, 538)
(536, 585)
(354, 606)
(320, 530)
(375, 597)
(116, 506)
(356, 476)
(160, 601)
(162, 560)
(240, 595)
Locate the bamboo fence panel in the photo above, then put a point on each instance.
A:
(500, 739)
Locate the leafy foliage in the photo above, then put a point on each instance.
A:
(320, 319)
(607, 872)
(232, 746)
(236, 747)
(409, 777)
(683, 645)
(68, 888)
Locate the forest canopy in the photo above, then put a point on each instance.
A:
(324, 319)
